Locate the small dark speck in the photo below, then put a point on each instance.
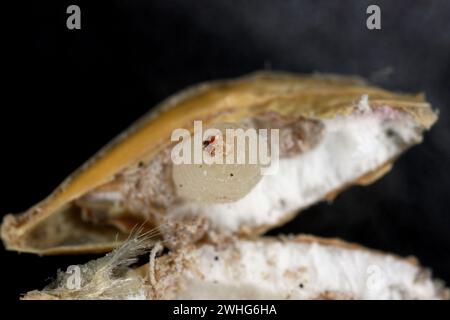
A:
(390, 132)
(301, 285)
(231, 175)
(216, 258)
(141, 164)
(180, 185)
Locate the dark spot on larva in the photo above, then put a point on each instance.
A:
(390, 133)
(216, 258)
(208, 141)
(301, 285)
(231, 175)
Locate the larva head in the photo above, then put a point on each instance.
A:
(225, 172)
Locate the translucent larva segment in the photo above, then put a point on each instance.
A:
(215, 179)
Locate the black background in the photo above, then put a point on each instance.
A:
(68, 92)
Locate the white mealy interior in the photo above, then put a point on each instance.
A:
(302, 268)
(351, 146)
(295, 270)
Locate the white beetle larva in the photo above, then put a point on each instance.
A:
(215, 179)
